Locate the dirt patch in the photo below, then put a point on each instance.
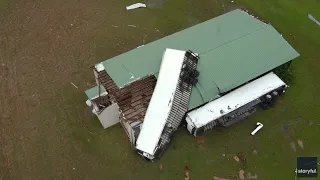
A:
(241, 174)
(200, 142)
(186, 173)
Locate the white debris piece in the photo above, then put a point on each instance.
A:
(135, 6)
(99, 67)
(88, 102)
(257, 129)
(132, 25)
(74, 85)
(140, 46)
(313, 19)
(94, 112)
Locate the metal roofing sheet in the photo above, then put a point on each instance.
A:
(200, 39)
(240, 61)
(233, 48)
(94, 92)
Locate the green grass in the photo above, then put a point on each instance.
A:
(71, 144)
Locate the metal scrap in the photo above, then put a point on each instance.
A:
(135, 6)
(300, 143)
(313, 19)
(74, 85)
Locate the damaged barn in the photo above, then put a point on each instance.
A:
(152, 89)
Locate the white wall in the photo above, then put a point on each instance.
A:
(109, 116)
(96, 77)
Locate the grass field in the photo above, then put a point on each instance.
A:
(47, 133)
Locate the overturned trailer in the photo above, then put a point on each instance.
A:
(233, 55)
(169, 102)
(236, 105)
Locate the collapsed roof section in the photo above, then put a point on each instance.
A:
(234, 48)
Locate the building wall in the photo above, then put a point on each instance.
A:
(109, 116)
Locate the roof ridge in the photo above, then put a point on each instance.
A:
(266, 26)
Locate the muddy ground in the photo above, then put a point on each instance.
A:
(46, 45)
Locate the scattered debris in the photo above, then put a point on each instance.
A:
(223, 155)
(114, 26)
(293, 146)
(74, 85)
(160, 167)
(250, 176)
(140, 46)
(232, 1)
(135, 6)
(3, 64)
(236, 158)
(73, 168)
(257, 129)
(132, 25)
(300, 143)
(255, 152)
(187, 171)
(242, 159)
(174, 147)
(241, 174)
(217, 178)
(286, 127)
(313, 19)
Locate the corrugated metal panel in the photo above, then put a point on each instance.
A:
(94, 92)
(234, 48)
(240, 61)
(200, 39)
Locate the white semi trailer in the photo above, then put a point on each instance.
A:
(169, 102)
(235, 105)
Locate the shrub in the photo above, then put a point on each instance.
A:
(285, 73)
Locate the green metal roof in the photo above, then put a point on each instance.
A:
(94, 92)
(234, 48)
